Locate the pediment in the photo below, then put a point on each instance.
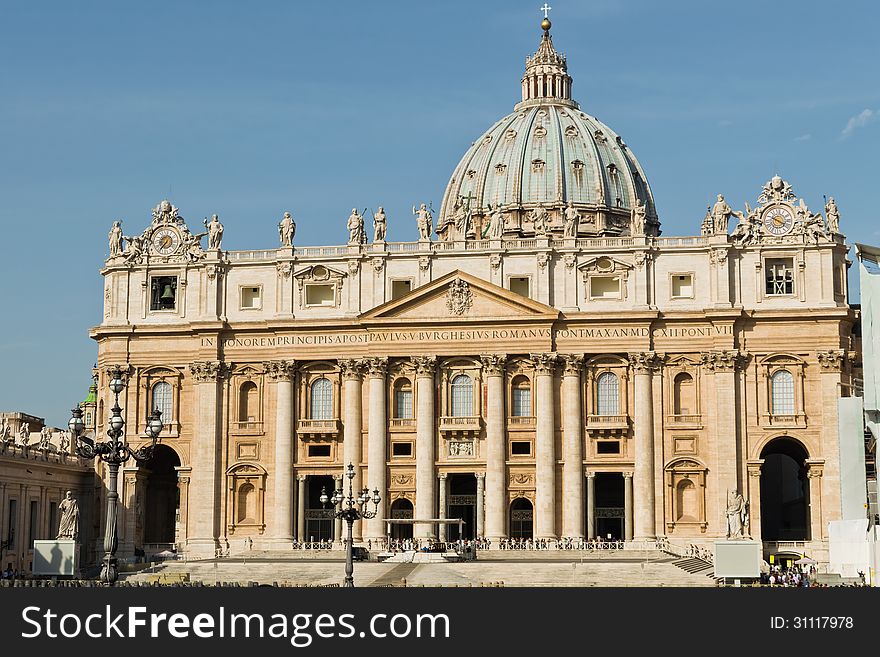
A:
(458, 296)
(604, 265)
(319, 273)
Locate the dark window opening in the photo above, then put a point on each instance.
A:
(163, 293)
(319, 450)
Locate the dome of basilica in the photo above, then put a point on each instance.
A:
(544, 157)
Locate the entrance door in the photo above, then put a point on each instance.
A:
(401, 509)
(156, 515)
(521, 518)
(319, 521)
(462, 503)
(608, 506)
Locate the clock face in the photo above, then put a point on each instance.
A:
(778, 220)
(166, 241)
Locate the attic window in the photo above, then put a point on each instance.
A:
(605, 287)
(538, 165)
(571, 131)
(320, 295)
(500, 168)
(511, 134)
(470, 174)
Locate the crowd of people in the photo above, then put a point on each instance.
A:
(798, 576)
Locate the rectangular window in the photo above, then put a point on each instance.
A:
(403, 404)
(319, 451)
(522, 402)
(251, 298)
(520, 448)
(163, 293)
(53, 518)
(320, 295)
(400, 288)
(607, 447)
(682, 286)
(779, 274)
(34, 525)
(401, 449)
(605, 287)
(519, 285)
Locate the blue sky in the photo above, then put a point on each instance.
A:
(250, 109)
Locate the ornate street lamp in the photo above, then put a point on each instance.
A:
(114, 452)
(350, 509)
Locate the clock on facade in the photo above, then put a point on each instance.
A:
(166, 240)
(778, 220)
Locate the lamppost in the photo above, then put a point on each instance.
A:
(351, 509)
(113, 452)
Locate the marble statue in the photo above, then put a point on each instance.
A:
(540, 219)
(135, 248)
(380, 225)
(24, 434)
(424, 220)
(737, 514)
(45, 437)
(115, 237)
(68, 527)
(355, 227)
(495, 227)
(465, 220)
(5, 431)
(832, 215)
(721, 213)
(571, 221)
(64, 442)
(192, 246)
(287, 230)
(637, 218)
(215, 232)
(748, 229)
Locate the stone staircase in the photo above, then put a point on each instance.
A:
(696, 566)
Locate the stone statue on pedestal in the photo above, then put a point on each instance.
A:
(380, 225)
(571, 221)
(721, 213)
(495, 228)
(637, 218)
(355, 227)
(832, 215)
(24, 434)
(68, 527)
(287, 230)
(737, 514)
(424, 222)
(5, 431)
(215, 232)
(115, 237)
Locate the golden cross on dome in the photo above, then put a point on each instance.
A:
(546, 9)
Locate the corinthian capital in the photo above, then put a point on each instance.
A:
(352, 368)
(280, 370)
(544, 363)
(493, 364)
(424, 365)
(831, 360)
(645, 362)
(377, 367)
(211, 370)
(724, 361)
(573, 363)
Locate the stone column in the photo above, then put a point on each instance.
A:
(282, 372)
(204, 525)
(377, 426)
(643, 365)
(337, 523)
(425, 439)
(480, 504)
(723, 365)
(545, 456)
(627, 506)
(754, 497)
(443, 484)
(183, 477)
(301, 508)
(591, 505)
(573, 449)
(815, 470)
(496, 448)
(352, 427)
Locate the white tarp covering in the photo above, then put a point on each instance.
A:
(851, 443)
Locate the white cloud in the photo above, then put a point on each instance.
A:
(860, 120)
(806, 137)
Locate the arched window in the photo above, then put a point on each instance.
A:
(521, 397)
(248, 400)
(247, 499)
(162, 400)
(607, 394)
(403, 400)
(462, 396)
(684, 395)
(322, 399)
(782, 393)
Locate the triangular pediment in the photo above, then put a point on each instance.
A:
(458, 296)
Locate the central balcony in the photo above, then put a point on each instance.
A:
(318, 428)
(460, 426)
(607, 424)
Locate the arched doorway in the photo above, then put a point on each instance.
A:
(785, 491)
(157, 512)
(521, 518)
(401, 509)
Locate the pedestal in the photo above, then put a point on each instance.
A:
(737, 559)
(58, 557)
